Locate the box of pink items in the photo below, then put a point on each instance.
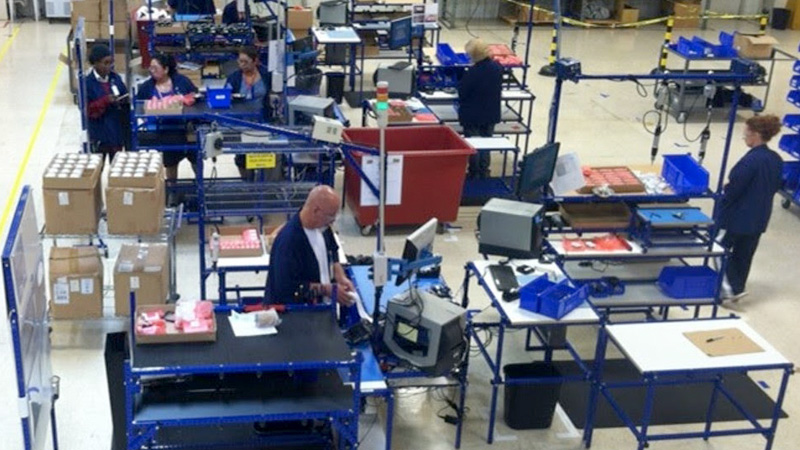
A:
(185, 321)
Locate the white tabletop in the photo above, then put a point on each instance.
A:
(338, 35)
(662, 347)
(583, 314)
(491, 143)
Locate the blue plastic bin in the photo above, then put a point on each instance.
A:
(791, 175)
(790, 143)
(219, 97)
(448, 57)
(529, 294)
(688, 281)
(688, 48)
(551, 299)
(726, 40)
(684, 174)
(793, 97)
(792, 121)
(794, 82)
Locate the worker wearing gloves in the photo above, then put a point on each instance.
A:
(303, 260)
(107, 97)
(747, 201)
(252, 82)
(479, 102)
(166, 84)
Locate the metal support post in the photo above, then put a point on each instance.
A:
(662, 63)
(550, 69)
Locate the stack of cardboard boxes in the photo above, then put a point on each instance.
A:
(300, 20)
(144, 270)
(135, 194)
(72, 194)
(95, 15)
(76, 283)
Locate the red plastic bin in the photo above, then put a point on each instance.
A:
(434, 166)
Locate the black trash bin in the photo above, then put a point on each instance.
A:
(335, 83)
(116, 352)
(309, 81)
(530, 406)
(780, 18)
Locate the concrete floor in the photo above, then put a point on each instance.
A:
(601, 121)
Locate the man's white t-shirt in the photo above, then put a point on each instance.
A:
(317, 241)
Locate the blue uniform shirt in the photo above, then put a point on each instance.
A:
(106, 129)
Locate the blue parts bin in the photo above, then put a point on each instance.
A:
(448, 57)
(790, 143)
(685, 174)
(219, 98)
(688, 281)
(549, 298)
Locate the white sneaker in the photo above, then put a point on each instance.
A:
(733, 298)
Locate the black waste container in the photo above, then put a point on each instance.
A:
(335, 83)
(780, 18)
(530, 406)
(309, 81)
(116, 352)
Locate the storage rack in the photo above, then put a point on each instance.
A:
(790, 143)
(325, 386)
(363, 20)
(641, 293)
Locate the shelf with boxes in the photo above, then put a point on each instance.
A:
(73, 208)
(790, 143)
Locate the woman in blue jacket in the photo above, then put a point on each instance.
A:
(165, 81)
(747, 201)
(252, 82)
(106, 97)
(479, 102)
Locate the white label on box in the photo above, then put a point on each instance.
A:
(63, 199)
(134, 283)
(125, 267)
(127, 198)
(152, 269)
(61, 293)
(74, 286)
(87, 286)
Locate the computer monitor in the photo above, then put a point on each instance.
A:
(400, 33)
(418, 245)
(536, 171)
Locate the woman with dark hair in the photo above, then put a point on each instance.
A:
(106, 97)
(746, 204)
(252, 82)
(165, 82)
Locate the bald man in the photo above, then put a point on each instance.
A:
(304, 254)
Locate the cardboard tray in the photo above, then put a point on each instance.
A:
(618, 188)
(600, 215)
(173, 336)
(233, 232)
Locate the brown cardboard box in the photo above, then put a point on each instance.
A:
(92, 30)
(121, 30)
(134, 210)
(300, 33)
(173, 28)
(120, 63)
(233, 233)
(626, 13)
(88, 9)
(270, 233)
(144, 270)
(72, 205)
(299, 19)
(687, 14)
(121, 10)
(596, 215)
(794, 7)
(173, 336)
(399, 113)
(754, 46)
(76, 283)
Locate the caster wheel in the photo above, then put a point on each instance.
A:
(681, 118)
(440, 228)
(786, 204)
(366, 230)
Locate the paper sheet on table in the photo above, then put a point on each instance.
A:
(568, 175)
(394, 179)
(724, 342)
(245, 326)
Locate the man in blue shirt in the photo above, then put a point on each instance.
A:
(303, 259)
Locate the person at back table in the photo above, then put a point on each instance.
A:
(479, 96)
(303, 258)
(746, 204)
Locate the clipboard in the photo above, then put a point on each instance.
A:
(723, 342)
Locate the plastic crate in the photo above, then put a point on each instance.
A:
(219, 97)
(790, 143)
(791, 175)
(688, 48)
(792, 121)
(688, 281)
(551, 299)
(796, 67)
(684, 174)
(793, 97)
(726, 40)
(448, 57)
(794, 82)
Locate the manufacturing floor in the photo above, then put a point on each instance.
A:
(601, 121)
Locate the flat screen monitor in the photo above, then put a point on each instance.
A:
(400, 33)
(418, 245)
(537, 171)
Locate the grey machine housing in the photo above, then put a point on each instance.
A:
(510, 228)
(426, 331)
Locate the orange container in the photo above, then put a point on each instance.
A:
(434, 166)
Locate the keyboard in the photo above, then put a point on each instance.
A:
(504, 277)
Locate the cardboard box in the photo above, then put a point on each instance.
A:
(142, 269)
(171, 110)
(270, 233)
(172, 28)
(232, 234)
(300, 33)
(135, 195)
(173, 335)
(399, 113)
(121, 10)
(88, 9)
(76, 283)
(92, 30)
(299, 19)
(626, 13)
(754, 46)
(121, 30)
(72, 204)
(687, 14)
(596, 215)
